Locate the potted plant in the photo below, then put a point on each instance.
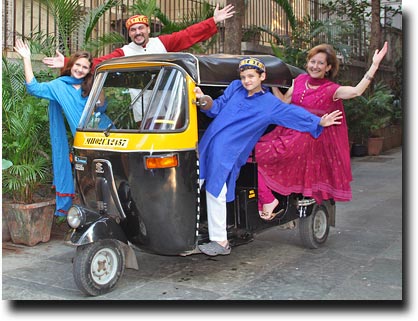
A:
(380, 107)
(28, 203)
(367, 115)
(357, 126)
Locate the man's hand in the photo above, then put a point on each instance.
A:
(225, 13)
(22, 49)
(54, 62)
(331, 119)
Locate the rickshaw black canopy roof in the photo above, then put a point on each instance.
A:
(216, 69)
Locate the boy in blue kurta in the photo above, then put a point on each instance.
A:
(241, 115)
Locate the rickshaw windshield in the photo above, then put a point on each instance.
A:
(152, 99)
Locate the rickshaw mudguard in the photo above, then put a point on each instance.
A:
(103, 228)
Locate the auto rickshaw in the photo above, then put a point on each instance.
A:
(137, 178)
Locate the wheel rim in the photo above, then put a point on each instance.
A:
(320, 225)
(104, 266)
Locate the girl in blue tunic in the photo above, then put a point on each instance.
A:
(67, 95)
(241, 115)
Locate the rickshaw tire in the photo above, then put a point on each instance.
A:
(314, 229)
(102, 253)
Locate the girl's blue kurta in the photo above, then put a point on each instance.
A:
(65, 98)
(239, 121)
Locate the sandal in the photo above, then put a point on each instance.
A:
(270, 216)
(268, 213)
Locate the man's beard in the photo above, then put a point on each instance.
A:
(141, 43)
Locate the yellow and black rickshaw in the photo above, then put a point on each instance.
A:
(137, 177)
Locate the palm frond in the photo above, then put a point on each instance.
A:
(112, 38)
(146, 7)
(42, 43)
(23, 137)
(93, 16)
(21, 180)
(287, 8)
(67, 15)
(192, 17)
(13, 83)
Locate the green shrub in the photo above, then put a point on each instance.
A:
(25, 137)
(367, 113)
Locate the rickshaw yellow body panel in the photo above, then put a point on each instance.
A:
(127, 142)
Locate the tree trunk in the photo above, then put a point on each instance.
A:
(233, 28)
(376, 30)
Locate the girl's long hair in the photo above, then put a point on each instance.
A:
(88, 80)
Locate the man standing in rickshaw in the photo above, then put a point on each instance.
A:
(139, 32)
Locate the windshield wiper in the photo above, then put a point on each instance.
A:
(141, 93)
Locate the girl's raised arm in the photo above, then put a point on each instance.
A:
(23, 50)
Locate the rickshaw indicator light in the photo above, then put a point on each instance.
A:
(161, 161)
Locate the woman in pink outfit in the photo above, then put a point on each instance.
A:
(294, 162)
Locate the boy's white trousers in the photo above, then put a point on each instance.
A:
(216, 209)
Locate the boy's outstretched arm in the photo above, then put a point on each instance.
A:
(331, 119)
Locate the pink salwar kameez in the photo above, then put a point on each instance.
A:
(290, 161)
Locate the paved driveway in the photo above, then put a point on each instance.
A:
(362, 259)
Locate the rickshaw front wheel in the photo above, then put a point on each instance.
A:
(98, 266)
(314, 229)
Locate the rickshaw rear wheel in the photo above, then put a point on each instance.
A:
(314, 229)
(98, 266)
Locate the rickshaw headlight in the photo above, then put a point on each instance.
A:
(75, 216)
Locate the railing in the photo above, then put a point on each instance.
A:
(29, 18)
